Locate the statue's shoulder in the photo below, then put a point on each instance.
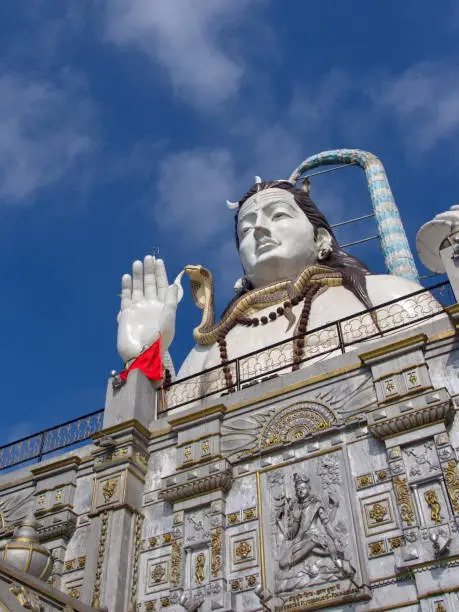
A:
(195, 361)
(386, 287)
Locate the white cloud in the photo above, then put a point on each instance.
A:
(193, 186)
(425, 101)
(45, 129)
(185, 37)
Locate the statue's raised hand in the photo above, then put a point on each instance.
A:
(148, 308)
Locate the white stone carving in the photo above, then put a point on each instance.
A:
(283, 426)
(308, 534)
(277, 241)
(421, 460)
(13, 510)
(148, 307)
(197, 527)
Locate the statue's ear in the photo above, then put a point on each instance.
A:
(324, 243)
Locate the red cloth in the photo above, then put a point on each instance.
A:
(149, 363)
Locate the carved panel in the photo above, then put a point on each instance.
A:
(197, 527)
(13, 509)
(157, 574)
(404, 500)
(108, 490)
(432, 503)
(200, 568)
(309, 542)
(243, 549)
(378, 514)
(276, 427)
(452, 483)
(421, 460)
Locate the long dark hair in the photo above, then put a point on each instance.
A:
(352, 269)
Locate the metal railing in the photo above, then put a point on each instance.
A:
(335, 338)
(34, 447)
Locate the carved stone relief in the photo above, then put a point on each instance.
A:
(13, 509)
(378, 514)
(244, 553)
(274, 428)
(309, 538)
(421, 460)
(278, 427)
(197, 527)
(157, 573)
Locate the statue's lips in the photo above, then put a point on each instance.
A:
(266, 245)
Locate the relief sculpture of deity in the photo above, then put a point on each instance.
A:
(311, 545)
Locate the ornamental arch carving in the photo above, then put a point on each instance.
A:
(277, 427)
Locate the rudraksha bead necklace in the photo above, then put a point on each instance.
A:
(307, 295)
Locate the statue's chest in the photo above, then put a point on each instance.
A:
(332, 305)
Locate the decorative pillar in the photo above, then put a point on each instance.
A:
(197, 493)
(55, 486)
(411, 419)
(136, 399)
(120, 465)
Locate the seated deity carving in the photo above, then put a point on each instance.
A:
(312, 546)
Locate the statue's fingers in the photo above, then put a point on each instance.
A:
(126, 291)
(171, 296)
(161, 279)
(137, 281)
(149, 279)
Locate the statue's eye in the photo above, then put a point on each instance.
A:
(245, 229)
(280, 215)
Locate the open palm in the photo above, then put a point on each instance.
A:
(148, 308)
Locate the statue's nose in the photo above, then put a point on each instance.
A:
(260, 230)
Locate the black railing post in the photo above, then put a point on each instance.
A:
(340, 337)
(42, 445)
(238, 375)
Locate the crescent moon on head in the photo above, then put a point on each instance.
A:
(232, 205)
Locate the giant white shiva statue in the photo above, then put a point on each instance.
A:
(296, 279)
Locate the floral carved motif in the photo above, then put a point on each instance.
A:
(109, 489)
(378, 512)
(158, 573)
(404, 500)
(452, 483)
(243, 549)
(216, 551)
(176, 563)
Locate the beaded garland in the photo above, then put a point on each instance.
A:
(307, 295)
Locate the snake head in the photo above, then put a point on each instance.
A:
(201, 284)
(194, 272)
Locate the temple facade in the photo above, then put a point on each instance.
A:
(267, 483)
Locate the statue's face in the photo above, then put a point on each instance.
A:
(276, 239)
(302, 490)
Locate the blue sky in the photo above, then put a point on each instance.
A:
(126, 124)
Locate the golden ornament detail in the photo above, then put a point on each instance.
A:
(434, 505)
(377, 512)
